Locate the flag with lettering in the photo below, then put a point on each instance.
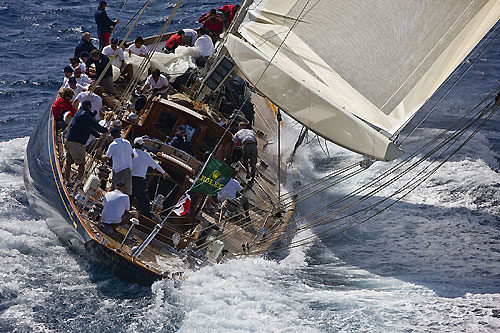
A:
(214, 176)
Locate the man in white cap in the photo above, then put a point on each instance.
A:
(120, 150)
(140, 164)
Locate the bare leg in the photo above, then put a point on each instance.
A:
(67, 170)
(129, 70)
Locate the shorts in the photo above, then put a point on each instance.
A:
(124, 176)
(250, 153)
(75, 152)
(104, 38)
(107, 84)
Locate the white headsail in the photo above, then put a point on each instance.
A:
(343, 68)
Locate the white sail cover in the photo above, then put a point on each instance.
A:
(338, 65)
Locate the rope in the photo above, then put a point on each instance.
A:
(365, 197)
(96, 83)
(145, 62)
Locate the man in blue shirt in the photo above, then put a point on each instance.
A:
(100, 61)
(81, 127)
(179, 141)
(104, 25)
(84, 45)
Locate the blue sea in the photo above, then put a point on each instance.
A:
(429, 263)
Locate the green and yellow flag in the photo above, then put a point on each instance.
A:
(214, 176)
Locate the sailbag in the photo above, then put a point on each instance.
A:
(349, 69)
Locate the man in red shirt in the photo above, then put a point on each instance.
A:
(213, 24)
(174, 41)
(61, 105)
(229, 12)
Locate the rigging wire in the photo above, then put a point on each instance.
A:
(366, 196)
(309, 240)
(130, 20)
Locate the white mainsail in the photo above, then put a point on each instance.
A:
(343, 68)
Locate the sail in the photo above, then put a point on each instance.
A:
(350, 69)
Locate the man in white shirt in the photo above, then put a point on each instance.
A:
(81, 79)
(191, 33)
(73, 85)
(245, 138)
(120, 150)
(140, 164)
(138, 48)
(116, 203)
(206, 46)
(159, 85)
(232, 191)
(94, 99)
(157, 82)
(110, 50)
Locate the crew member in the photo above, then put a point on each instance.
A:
(191, 35)
(100, 61)
(245, 137)
(61, 106)
(116, 205)
(110, 50)
(68, 72)
(140, 164)
(77, 63)
(174, 41)
(138, 48)
(157, 82)
(229, 12)
(120, 150)
(84, 45)
(214, 25)
(95, 100)
(206, 46)
(82, 79)
(104, 25)
(84, 56)
(81, 127)
(73, 85)
(179, 140)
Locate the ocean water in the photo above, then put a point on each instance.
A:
(429, 263)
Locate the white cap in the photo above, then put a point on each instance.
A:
(117, 123)
(138, 141)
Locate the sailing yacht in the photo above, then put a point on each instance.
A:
(353, 73)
